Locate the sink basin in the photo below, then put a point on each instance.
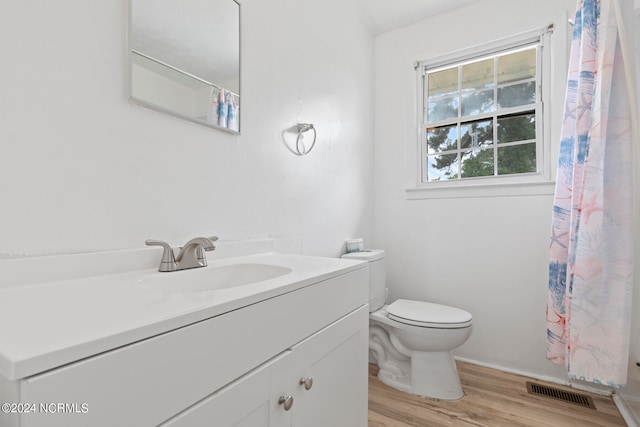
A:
(213, 278)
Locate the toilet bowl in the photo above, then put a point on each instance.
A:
(412, 341)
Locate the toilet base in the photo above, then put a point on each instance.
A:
(417, 360)
(432, 374)
(401, 383)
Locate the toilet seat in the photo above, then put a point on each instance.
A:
(428, 315)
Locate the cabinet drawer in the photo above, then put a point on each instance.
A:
(145, 383)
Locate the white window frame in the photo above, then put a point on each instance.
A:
(539, 182)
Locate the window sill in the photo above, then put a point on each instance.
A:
(487, 188)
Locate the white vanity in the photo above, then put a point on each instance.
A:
(143, 348)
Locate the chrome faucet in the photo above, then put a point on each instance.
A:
(191, 255)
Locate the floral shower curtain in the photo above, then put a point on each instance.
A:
(591, 250)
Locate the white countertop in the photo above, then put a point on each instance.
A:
(49, 324)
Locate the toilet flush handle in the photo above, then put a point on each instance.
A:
(307, 383)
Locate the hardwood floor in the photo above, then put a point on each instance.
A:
(491, 399)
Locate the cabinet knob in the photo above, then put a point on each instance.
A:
(286, 402)
(307, 383)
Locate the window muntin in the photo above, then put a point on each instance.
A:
(467, 103)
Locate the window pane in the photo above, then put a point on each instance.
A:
(444, 166)
(442, 139)
(517, 159)
(516, 95)
(443, 82)
(516, 128)
(442, 109)
(477, 75)
(477, 163)
(479, 117)
(476, 134)
(478, 102)
(517, 66)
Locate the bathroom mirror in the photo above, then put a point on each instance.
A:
(185, 59)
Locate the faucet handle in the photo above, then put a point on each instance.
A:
(168, 261)
(213, 239)
(201, 249)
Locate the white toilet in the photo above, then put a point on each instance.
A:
(412, 340)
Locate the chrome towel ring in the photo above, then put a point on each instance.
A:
(302, 128)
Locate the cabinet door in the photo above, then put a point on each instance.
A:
(247, 402)
(336, 360)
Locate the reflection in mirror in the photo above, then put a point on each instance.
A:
(185, 59)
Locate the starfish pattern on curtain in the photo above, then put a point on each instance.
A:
(591, 250)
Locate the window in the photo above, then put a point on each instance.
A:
(481, 116)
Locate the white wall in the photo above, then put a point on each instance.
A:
(488, 255)
(82, 170)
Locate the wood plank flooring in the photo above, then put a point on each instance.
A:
(491, 399)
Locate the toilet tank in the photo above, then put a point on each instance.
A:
(377, 275)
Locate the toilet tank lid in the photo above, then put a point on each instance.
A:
(366, 255)
(426, 312)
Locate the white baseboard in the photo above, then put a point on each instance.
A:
(631, 417)
(516, 371)
(578, 385)
(629, 407)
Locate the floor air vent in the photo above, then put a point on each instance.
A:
(565, 396)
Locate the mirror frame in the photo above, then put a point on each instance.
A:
(144, 103)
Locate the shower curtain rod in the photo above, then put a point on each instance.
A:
(157, 61)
